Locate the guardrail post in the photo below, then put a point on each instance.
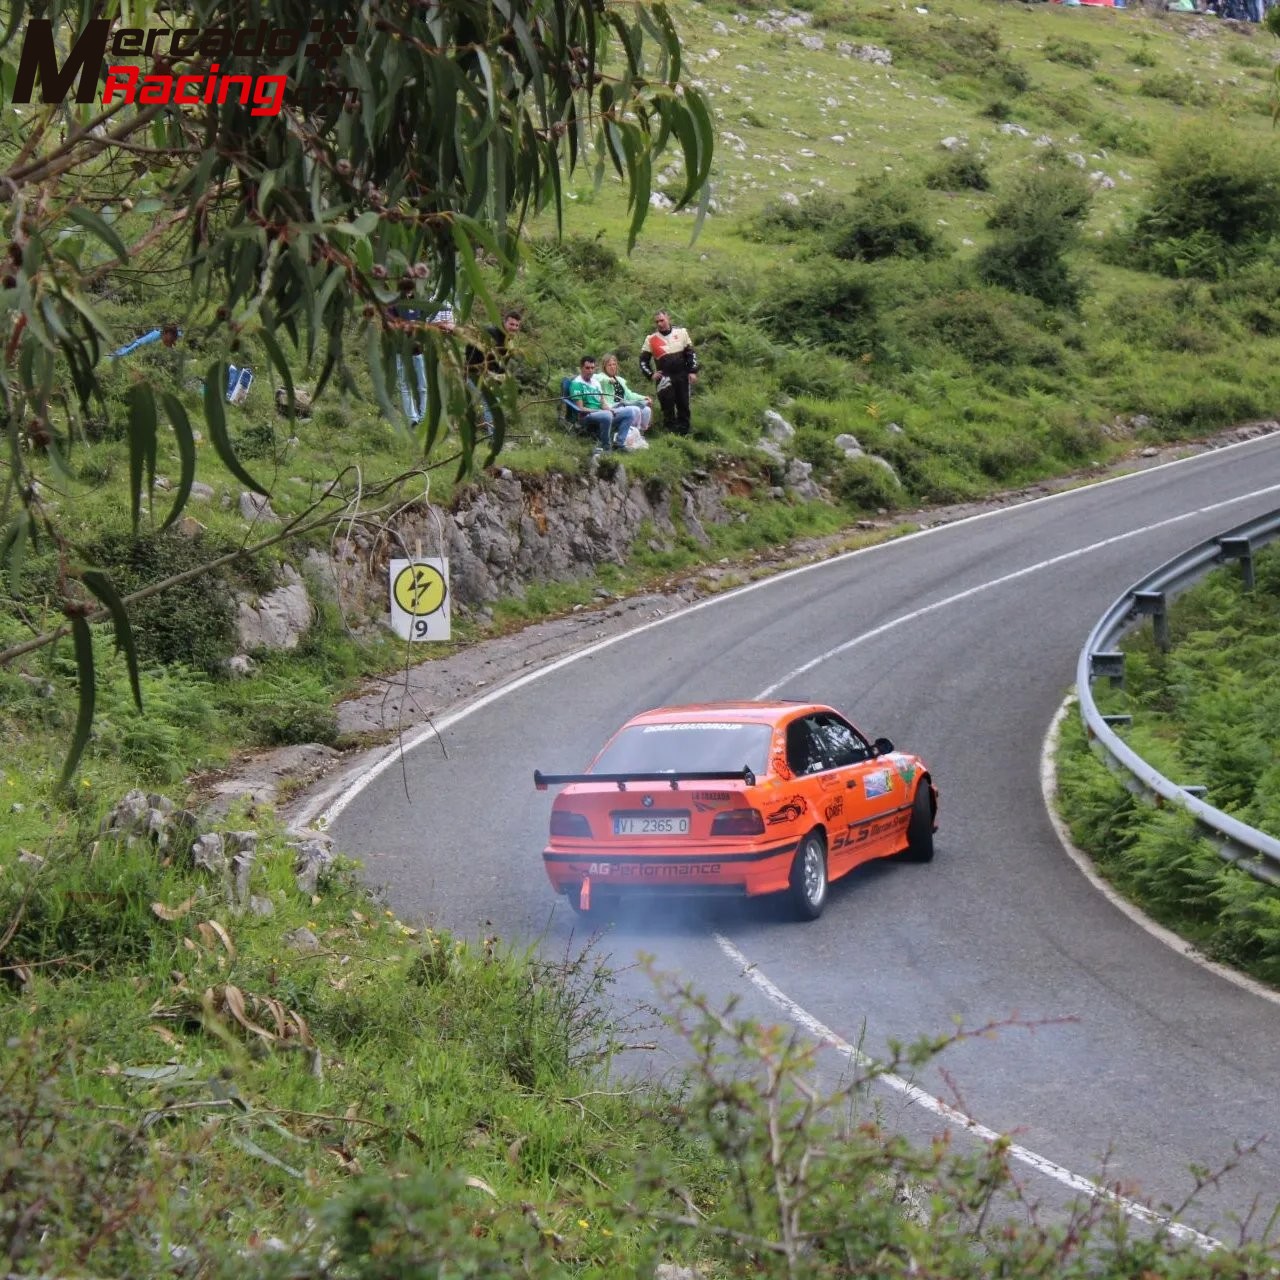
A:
(1109, 664)
(1239, 549)
(1152, 603)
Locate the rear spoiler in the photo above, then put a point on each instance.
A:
(544, 780)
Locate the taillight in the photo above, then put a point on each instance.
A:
(738, 822)
(564, 823)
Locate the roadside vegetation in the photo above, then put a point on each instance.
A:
(1205, 713)
(189, 1087)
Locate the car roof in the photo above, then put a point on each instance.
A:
(772, 713)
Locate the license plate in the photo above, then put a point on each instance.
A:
(651, 825)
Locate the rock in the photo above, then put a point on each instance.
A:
(674, 1271)
(953, 144)
(28, 859)
(1017, 129)
(40, 687)
(240, 666)
(886, 465)
(209, 854)
(190, 527)
(658, 201)
(257, 509)
(799, 478)
(848, 445)
(873, 53)
(813, 42)
(301, 401)
(1150, 452)
(200, 491)
(301, 940)
(277, 620)
(1104, 181)
(894, 428)
(777, 426)
(260, 906)
(772, 450)
(312, 859)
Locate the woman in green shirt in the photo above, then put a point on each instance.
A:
(616, 392)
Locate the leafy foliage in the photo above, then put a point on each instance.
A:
(302, 229)
(1036, 223)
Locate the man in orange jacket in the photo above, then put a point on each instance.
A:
(668, 360)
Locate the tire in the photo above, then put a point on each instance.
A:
(920, 827)
(808, 890)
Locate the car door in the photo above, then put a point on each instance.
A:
(874, 793)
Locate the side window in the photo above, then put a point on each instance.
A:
(806, 751)
(842, 744)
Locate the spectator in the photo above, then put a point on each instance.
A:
(415, 407)
(611, 425)
(667, 358)
(493, 361)
(616, 392)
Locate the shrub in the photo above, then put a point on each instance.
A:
(959, 171)
(782, 220)
(866, 485)
(1213, 202)
(1036, 223)
(885, 221)
(1175, 86)
(1117, 133)
(986, 326)
(192, 624)
(1075, 53)
(835, 309)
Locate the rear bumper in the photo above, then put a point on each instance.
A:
(703, 871)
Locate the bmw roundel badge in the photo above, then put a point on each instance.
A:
(647, 802)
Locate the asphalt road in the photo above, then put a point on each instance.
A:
(960, 644)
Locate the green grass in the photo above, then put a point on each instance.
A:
(1203, 713)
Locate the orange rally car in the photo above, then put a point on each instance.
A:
(738, 798)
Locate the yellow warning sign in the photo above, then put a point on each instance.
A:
(419, 589)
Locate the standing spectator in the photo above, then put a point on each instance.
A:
(492, 362)
(616, 391)
(415, 407)
(667, 358)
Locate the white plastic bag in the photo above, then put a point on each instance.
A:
(635, 440)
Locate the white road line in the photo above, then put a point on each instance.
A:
(1004, 578)
(335, 807)
(935, 1106)
(325, 807)
(1049, 787)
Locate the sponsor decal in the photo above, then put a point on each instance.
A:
(834, 809)
(789, 812)
(695, 725)
(85, 65)
(877, 783)
(855, 834)
(644, 871)
(906, 770)
(706, 801)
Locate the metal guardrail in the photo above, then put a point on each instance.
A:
(1254, 851)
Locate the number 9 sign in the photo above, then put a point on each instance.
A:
(420, 599)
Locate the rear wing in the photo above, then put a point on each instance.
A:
(544, 780)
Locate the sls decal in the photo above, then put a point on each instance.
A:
(854, 834)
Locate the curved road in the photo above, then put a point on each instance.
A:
(958, 643)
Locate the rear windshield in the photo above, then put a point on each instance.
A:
(701, 747)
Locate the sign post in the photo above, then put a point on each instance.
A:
(420, 605)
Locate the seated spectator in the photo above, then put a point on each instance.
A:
(611, 425)
(617, 393)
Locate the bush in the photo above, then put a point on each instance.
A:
(192, 624)
(1075, 53)
(284, 707)
(1175, 86)
(1214, 202)
(782, 220)
(1036, 223)
(885, 221)
(835, 309)
(1117, 133)
(959, 171)
(987, 327)
(866, 485)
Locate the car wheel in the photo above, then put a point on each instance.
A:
(809, 878)
(920, 827)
